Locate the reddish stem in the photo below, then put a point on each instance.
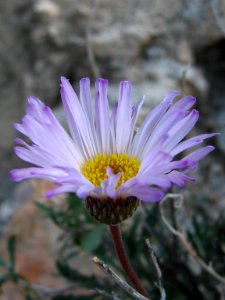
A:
(121, 253)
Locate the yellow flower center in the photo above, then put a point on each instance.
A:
(95, 168)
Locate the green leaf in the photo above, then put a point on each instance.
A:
(75, 207)
(72, 297)
(12, 251)
(91, 240)
(74, 276)
(3, 278)
(28, 297)
(54, 215)
(3, 263)
(74, 201)
(70, 255)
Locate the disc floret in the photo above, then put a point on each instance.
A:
(95, 168)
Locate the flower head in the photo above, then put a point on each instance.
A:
(105, 160)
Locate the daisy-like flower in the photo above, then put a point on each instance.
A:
(105, 160)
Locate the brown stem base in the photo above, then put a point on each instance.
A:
(121, 253)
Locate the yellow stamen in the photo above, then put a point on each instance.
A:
(95, 168)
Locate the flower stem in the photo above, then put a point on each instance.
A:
(121, 253)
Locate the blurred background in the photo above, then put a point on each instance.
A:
(158, 45)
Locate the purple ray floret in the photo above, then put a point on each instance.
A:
(59, 156)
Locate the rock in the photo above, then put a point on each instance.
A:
(38, 242)
(36, 239)
(52, 42)
(150, 43)
(46, 9)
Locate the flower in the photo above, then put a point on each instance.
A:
(105, 160)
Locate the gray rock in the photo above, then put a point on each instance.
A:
(149, 42)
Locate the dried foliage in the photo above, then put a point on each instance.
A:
(169, 272)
